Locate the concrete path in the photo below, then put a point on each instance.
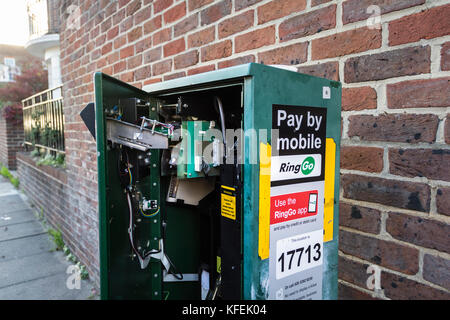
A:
(30, 268)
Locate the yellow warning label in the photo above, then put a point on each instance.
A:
(228, 202)
(330, 165)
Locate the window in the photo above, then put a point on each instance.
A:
(10, 62)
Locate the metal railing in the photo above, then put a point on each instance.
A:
(43, 120)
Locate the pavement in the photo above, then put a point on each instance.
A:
(30, 267)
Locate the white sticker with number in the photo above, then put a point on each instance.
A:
(299, 253)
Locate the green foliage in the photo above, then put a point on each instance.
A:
(5, 173)
(51, 160)
(57, 239)
(15, 182)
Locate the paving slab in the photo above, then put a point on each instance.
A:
(14, 217)
(29, 267)
(28, 246)
(20, 230)
(49, 288)
(10, 203)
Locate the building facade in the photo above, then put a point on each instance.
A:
(11, 59)
(43, 23)
(393, 59)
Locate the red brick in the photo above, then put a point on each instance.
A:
(174, 76)
(293, 54)
(400, 288)
(399, 194)
(153, 25)
(423, 232)
(353, 272)
(126, 24)
(445, 57)
(215, 12)
(120, 41)
(133, 7)
(279, 8)
(381, 252)
(134, 34)
(318, 2)
(151, 81)
(142, 15)
(152, 55)
(127, 76)
(236, 24)
(217, 51)
(112, 33)
(255, 39)
(428, 24)
(367, 159)
(162, 36)
(186, 25)
(107, 48)
(242, 4)
(308, 23)
(185, 60)
(122, 3)
(202, 37)
(236, 61)
(160, 5)
(143, 45)
(175, 13)
(195, 4)
(202, 69)
(419, 94)
(443, 200)
(356, 10)
(359, 218)
(327, 70)
(389, 64)
(174, 47)
(429, 163)
(134, 61)
(162, 67)
(436, 270)
(344, 43)
(119, 67)
(142, 73)
(127, 52)
(359, 98)
(409, 128)
(349, 293)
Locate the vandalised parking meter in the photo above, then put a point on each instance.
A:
(222, 185)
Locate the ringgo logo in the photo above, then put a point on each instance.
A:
(296, 167)
(308, 165)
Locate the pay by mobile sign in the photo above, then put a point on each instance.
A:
(297, 202)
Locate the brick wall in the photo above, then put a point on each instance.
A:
(396, 78)
(11, 140)
(47, 189)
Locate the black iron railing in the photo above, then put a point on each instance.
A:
(43, 120)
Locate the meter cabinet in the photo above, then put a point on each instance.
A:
(219, 186)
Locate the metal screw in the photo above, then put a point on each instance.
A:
(154, 184)
(156, 293)
(155, 275)
(153, 109)
(155, 221)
